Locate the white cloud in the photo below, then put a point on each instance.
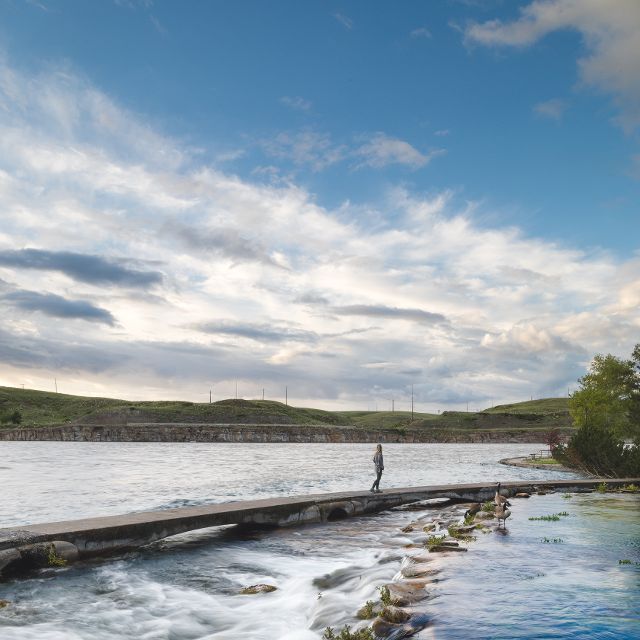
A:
(311, 148)
(421, 32)
(345, 21)
(297, 103)
(553, 109)
(381, 150)
(264, 284)
(611, 37)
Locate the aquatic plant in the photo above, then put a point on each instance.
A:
(385, 596)
(488, 506)
(631, 487)
(368, 610)
(554, 517)
(566, 496)
(469, 518)
(454, 532)
(602, 487)
(433, 541)
(346, 634)
(55, 560)
(625, 561)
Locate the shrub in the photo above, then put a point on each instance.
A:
(347, 634)
(597, 450)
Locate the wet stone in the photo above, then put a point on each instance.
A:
(383, 629)
(396, 615)
(258, 588)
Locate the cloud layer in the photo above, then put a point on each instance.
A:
(611, 35)
(129, 267)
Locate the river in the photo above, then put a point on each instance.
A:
(187, 587)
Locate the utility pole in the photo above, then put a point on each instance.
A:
(467, 406)
(412, 402)
(393, 405)
(236, 389)
(55, 382)
(286, 396)
(209, 396)
(263, 393)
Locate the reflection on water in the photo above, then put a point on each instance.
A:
(186, 588)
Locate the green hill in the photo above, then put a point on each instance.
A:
(40, 408)
(543, 406)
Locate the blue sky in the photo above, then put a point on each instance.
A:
(356, 195)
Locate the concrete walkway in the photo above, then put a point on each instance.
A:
(95, 536)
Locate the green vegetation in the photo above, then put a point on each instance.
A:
(39, 408)
(546, 461)
(347, 634)
(14, 418)
(602, 487)
(625, 562)
(488, 506)
(385, 596)
(55, 560)
(544, 406)
(454, 532)
(632, 488)
(469, 519)
(368, 610)
(433, 541)
(606, 409)
(552, 518)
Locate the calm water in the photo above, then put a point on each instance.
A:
(187, 588)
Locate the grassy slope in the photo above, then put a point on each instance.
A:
(42, 408)
(538, 415)
(542, 406)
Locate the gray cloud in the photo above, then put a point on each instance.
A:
(312, 299)
(381, 311)
(81, 267)
(58, 307)
(260, 332)
(226, 242)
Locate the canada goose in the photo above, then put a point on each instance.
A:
(500, 499)
(502, 513)
(473, 509)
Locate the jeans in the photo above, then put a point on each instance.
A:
(376, 482)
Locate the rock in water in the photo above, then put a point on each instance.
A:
(395, 614)
(258, 588)
(390, 631)
(522, 494)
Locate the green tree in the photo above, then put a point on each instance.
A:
(608, 395)
(606, 409)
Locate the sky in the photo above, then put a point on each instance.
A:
(349, 200)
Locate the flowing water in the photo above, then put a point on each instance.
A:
(186, 588)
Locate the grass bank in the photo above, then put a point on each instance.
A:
(43, 409)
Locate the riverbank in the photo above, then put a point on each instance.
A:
(282, 433)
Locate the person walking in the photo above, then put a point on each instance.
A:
(378, 461)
